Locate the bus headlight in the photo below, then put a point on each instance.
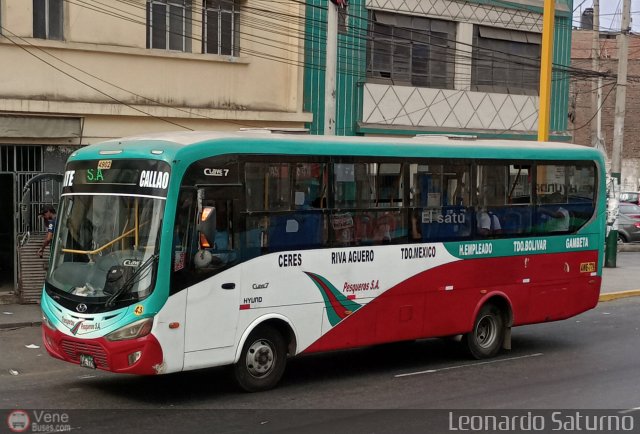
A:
(47, 322)
(134, 330)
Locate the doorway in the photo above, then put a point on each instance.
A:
(7, 233)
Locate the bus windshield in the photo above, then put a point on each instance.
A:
(106, 246)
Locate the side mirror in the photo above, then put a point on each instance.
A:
(207, 227)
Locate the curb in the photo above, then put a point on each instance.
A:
(620, 294)
(629, 247)
(21, 324)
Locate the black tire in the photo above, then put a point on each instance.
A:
(487, 336)
(621, 238)
(262, 360)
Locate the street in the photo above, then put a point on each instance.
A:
(587, 362)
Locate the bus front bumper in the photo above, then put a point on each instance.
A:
(142, 356)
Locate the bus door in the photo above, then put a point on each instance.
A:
(213, 302)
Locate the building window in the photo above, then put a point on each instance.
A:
(411, 51)
(221, 27)
(343, 24)
(169, 24)
(505, 61)
(47, 19)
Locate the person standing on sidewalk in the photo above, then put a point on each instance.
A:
(48, 213)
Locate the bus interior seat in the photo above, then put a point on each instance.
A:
(295, 230)
(436, 231)
(514, 220)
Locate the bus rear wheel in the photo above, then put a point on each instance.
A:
(262, 361)
(487, 336)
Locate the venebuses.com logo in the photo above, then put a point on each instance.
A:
(18, 421)
(42, 421)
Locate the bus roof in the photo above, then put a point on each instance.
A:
(200, 144)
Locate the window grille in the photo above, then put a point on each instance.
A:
(505, 61)
(26, 162)
(169, 25)
(48, 19)
(221, 27)
(416, 51)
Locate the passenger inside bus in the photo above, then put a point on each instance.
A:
(555, 217)
(487, 222)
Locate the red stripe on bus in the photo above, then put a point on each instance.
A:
(418, 307)
(245, 306)
(338, 308)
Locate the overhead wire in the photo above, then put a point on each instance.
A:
(4, 29)
(587, 123)
(196, 20)
(300, 22)
(310, 39)
(137, 95)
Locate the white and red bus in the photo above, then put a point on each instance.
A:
(190, 250)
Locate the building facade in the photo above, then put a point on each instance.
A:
(75, 73)
(439, 66)
(582, 105)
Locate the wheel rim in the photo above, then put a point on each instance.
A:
(486, 331)
(261, 358)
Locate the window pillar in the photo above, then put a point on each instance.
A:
(197, 25)
(464, 39)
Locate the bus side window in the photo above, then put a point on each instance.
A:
(581, 185)
(439, 196)
(310, 181)
(491, 198)
(552, 213)
(184, 241)
(220, 251)
(255, 236)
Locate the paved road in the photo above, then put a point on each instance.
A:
(587, 362)
(590, 361)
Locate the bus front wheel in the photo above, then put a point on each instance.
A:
(262, 361)
(487, 336)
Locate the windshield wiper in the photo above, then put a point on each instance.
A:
(128, 284)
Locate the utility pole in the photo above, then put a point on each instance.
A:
(618, 135)
(546, 61)
(331, 70)
(596, 85)
(621, 91)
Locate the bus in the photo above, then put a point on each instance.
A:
(181, 251)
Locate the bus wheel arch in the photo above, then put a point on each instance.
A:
(261, 358)
(286, 330)
(491, 329)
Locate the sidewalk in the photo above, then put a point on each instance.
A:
(19, 315)
(622, 281)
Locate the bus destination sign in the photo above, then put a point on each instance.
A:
(147, 177)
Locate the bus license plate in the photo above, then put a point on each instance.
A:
(86, 361)
(587, 267)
